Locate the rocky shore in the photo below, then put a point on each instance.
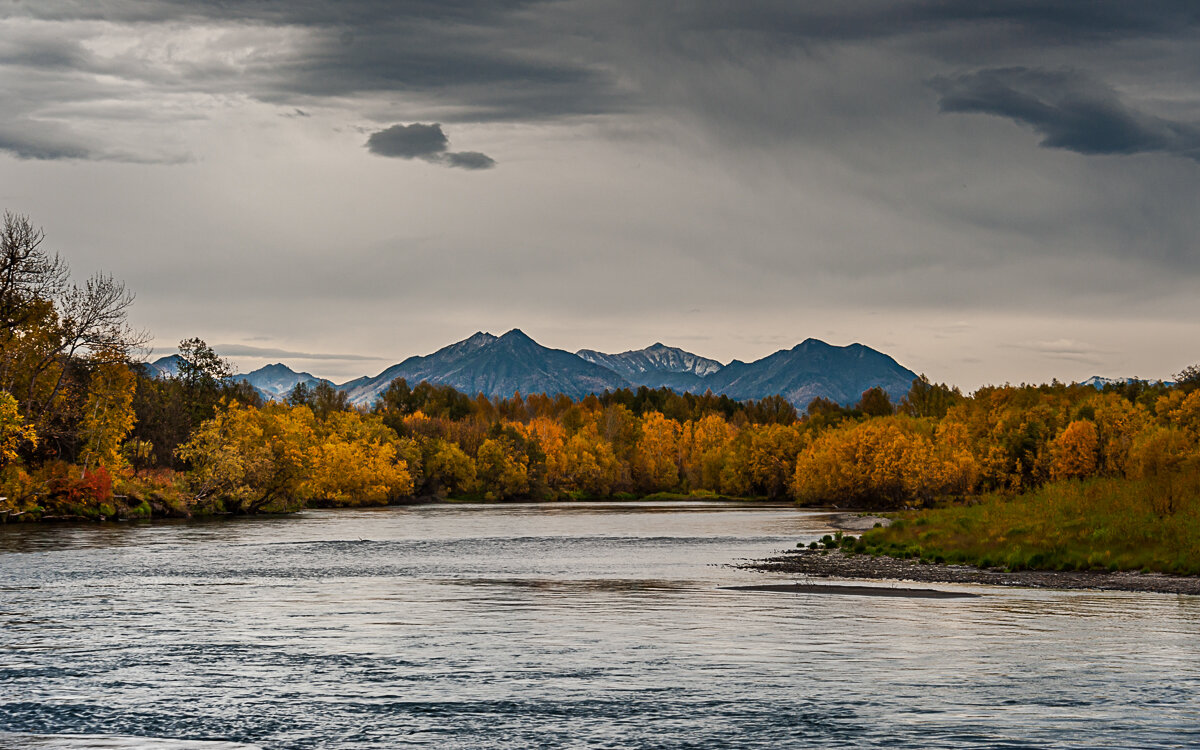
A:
(837, 564)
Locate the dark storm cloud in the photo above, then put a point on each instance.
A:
(486, 59)
(304, 12)
(427, 142)
(1068, 109)
(409, 141)
(521, 60)
(1062, 21)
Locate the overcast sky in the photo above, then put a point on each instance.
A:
(988, 191)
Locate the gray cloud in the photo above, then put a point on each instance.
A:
(409, 141)
(1068, 109)
(469, 160)
(23, 141)
(427, 142)
(1060, 20)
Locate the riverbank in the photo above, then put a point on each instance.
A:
(838, 564)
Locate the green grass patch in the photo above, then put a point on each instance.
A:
(1099, 524)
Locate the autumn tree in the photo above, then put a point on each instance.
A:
(589, 465)
(656, 458)
(14, 433)
(355, 460)
(703, 446)
(501, 470)
(1167, 459)
(1075, 452)
(46, 322)
(447, 469)
(888, 462)
(108, 414)
(245, 460)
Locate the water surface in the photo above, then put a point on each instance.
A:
(574, 625)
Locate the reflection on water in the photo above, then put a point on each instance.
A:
(548, 626)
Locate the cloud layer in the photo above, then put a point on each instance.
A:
(1069, 110)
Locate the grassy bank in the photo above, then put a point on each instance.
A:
(1098, 524)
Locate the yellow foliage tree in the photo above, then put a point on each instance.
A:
(590, 467)
(13, 430)
(703, 445)
(502, 472)
(1167, 460)
(1075, 453)
(551, 437)
(656, 458)
(771, 458)
(1118, 423)
(448, 470)
(246, 460)
(355, 460)
(888, 461)
(1180, 410)
(108, 414)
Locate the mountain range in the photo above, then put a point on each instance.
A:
(501, 365)
(656, 366)
(1098, 382)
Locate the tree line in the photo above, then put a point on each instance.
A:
(86, 431)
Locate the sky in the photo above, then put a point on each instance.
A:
(987, 191)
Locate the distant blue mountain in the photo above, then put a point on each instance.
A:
(500, 366)
(495, 366)
(810, 370)
(164, 367)
(503, 365)
(274, 382)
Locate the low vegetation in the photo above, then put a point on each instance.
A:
(1094, 524)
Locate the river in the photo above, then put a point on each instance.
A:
(568, 625)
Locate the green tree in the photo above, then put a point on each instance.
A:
(926, 399)
(875, 402)
(1188, 380)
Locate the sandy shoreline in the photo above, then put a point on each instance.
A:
(837, 564)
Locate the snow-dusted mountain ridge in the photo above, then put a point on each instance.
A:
(503, 365)
(656, 366)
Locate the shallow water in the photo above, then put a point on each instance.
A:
(551, 626)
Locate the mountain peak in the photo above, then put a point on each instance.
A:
(495, 367)
(814, 368)
(811, 343)
(656, 366)
(275, 381)
(516, 334)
